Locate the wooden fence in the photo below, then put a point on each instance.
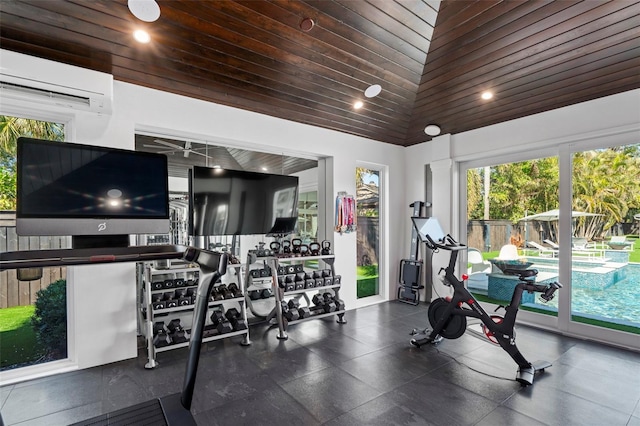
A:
(21, 293)
(491, 235)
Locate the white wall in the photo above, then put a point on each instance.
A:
(615, 116)
(104, 296)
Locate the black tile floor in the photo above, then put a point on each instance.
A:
(361, 373)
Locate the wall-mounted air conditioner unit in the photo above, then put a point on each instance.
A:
(47, 83)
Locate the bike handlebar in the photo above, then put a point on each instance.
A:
(447, 243)
(547, 290)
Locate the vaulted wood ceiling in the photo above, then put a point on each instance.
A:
(432, 59)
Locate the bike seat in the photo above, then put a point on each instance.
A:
(524, 273)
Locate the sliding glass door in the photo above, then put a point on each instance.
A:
(605, 250)
(574, 215)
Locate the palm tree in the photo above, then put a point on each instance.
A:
(11, 128)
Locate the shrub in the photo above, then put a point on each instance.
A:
(50, 319)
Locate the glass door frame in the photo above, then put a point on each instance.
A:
(564, 150)
(383, 255)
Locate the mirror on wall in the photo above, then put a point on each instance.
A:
(184, 154)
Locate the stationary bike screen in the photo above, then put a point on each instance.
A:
(428, 226)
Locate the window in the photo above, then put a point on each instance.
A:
(33, 309)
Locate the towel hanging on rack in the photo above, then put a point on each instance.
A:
(345, 213)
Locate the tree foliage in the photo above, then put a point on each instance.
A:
(11, 128)
(50, 318)
(605, 182)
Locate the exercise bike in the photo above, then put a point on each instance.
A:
(448, 316)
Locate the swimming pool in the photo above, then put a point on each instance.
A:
(619, 302)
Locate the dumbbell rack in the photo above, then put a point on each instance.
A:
(149, 314)
(281, 294)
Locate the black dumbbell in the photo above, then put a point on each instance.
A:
(235, 318)
(329, 304)
(224, 291)
(176, 332)
(339, 304)
(157, 285)
(266, 293)
(160, 336)
(254, 294)
(168, 283)
(299, 281)
(318, 300)
(235, 290)
(303, 312)
(289, 314)
(220, 321)
(169, 299)
(215, 294)
(179, 282)
(157, 302)
(181, 295)
(217, 317)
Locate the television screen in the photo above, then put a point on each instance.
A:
(235, 202)
(72, 189)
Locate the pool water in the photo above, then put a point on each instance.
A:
(619, 302)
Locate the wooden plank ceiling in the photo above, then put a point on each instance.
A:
(432, 59)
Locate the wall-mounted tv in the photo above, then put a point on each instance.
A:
(82, 190)
(236, 202)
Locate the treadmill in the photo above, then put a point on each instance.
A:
(175, 409)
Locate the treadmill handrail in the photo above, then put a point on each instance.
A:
(213, 265)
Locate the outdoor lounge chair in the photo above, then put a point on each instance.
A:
(620, 242)
(542, 250)
(552, 244)
(476, 263)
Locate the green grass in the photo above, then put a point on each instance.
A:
(367, 281)
(367, 287)
(18, 344)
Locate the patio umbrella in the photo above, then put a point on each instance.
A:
(552, 215)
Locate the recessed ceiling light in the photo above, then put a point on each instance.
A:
(373, 91)
(486, 95)
(264, 169)
(432, 130)
(142, 36)
(144, 10)
(358, 104)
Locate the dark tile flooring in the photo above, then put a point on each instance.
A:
(361, 373)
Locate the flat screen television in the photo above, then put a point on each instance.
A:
(82, 190)
(236, 202)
